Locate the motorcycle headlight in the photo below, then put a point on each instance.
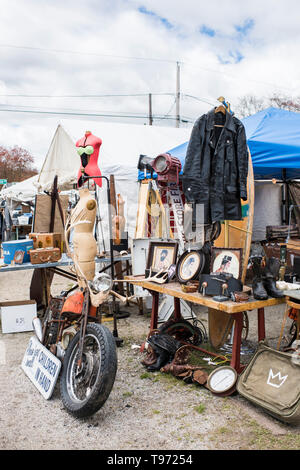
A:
(101, 283)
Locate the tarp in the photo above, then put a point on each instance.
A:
(273, 137)
(21, 192)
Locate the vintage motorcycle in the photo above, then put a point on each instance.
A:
(71, 330)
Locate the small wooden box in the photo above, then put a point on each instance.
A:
(44, 255)
(46, 240)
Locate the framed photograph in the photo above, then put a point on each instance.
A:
(161, 255)
(190, 265)
(227, 261)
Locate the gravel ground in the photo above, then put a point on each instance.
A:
(144, 411)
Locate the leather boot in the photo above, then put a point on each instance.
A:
(270, 276)
(162, 359)
(258, 288)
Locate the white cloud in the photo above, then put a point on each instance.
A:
(228, 48)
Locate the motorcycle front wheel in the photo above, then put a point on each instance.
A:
(84, 389)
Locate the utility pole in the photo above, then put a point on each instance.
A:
(177, 98)
(150, 110)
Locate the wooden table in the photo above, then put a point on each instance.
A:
(235, 309)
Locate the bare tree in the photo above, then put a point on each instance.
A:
(16, 164)
(285, 102)
(248, 105)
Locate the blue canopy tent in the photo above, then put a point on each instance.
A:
(273, 137)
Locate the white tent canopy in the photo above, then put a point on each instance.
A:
(21, 192)
(61, 160)
(122, 144)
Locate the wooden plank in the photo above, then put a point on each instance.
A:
(294, 243)
(174, 289)
(142, 214)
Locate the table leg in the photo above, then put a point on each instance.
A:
(237, 341)
(177, 313)
(154, 312)
(298, 324)
(261, 324)
(46, 279)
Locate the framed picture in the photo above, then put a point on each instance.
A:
(190, 265)
(227, 261)
(161, 255)
(19, 256)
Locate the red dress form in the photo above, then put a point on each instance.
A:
(91, 169)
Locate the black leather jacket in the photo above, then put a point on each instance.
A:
(216, 168)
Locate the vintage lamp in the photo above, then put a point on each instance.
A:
(167, 168)
(145, 165)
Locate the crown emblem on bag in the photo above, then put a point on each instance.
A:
(276, 380)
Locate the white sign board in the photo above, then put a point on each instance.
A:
(41, 366)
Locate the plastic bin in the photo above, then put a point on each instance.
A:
(9, 249)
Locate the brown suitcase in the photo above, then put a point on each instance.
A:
(44, 255)
(46, 240)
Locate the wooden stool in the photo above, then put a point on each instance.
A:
(289, 304)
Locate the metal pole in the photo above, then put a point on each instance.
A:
(177, 94)
(150, 110)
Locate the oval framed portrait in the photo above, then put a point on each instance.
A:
(189, 266)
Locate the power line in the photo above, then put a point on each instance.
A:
(85, 53)
(198, 99)
(86, 96)
(113, 95)
(172, 106)
(130, 116)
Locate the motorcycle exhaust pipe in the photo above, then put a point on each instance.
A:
(37, 327)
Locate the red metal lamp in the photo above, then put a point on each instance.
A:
(167, 168)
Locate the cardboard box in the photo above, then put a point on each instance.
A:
(46, 240)
(23, 220)
(17, 316)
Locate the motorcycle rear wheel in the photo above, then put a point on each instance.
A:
(84, 390)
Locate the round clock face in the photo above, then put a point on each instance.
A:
(222, 379)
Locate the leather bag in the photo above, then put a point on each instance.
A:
(219, 284)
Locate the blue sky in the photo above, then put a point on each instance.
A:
(58, 54)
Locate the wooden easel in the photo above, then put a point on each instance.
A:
(55, 200)
(160, 212)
